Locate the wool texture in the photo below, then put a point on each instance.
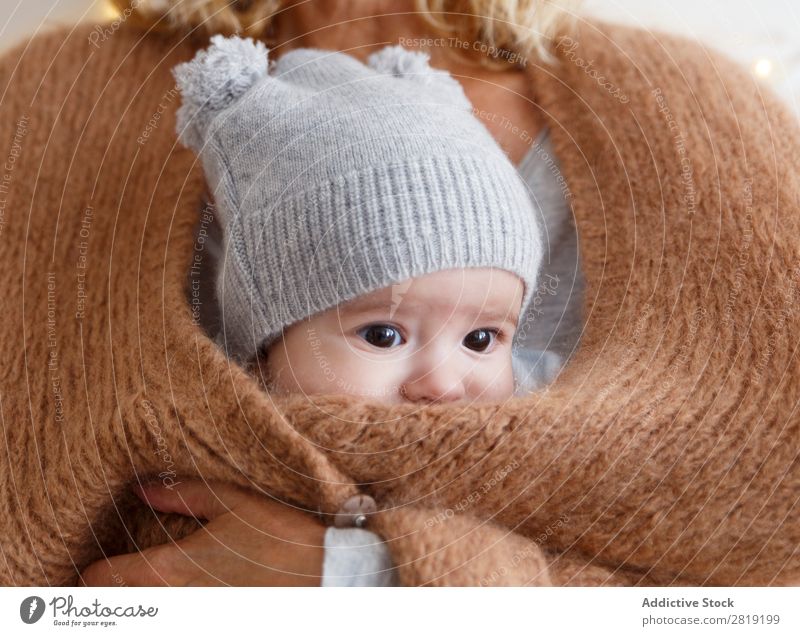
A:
(666, 453)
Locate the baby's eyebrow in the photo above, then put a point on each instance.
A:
(501, 316)
(367, 304)
(364, 305)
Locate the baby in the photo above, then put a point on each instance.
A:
(377, 241)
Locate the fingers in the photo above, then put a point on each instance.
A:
(139, 568)
(195, 498)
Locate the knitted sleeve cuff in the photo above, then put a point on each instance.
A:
(355, 557)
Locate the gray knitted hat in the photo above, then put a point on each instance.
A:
(333, 178)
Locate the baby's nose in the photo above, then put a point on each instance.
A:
(434, 384)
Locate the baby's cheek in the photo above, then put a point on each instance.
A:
(373, 379)
(493, 382)
(294, 365)
(315, 368)
(339, 369)
(319, 365)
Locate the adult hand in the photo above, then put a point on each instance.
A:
(249, 540)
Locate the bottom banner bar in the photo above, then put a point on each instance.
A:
(400, 611)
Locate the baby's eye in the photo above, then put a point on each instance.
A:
(383, 336)
(480, 339)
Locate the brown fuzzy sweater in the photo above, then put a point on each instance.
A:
(666, 452)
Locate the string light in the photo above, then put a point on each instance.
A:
(110, 12)
(763, 67)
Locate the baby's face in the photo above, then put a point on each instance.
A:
(443, 337)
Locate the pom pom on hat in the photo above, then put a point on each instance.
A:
(415, 66)
(213, 80)
(398, 61)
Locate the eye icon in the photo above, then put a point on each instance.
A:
(31, 609)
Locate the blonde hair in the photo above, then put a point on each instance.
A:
(525, 28)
